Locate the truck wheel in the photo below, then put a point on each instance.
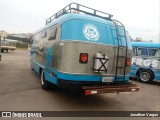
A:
(146, 76)
(44, 84)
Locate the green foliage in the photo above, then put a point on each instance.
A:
(22, 45)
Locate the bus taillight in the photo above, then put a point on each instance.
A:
(83, 58)
(127, 62)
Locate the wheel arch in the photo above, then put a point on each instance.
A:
(138, 71)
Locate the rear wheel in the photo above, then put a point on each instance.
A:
(146, 76)
(44, 84)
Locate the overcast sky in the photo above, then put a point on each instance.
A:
(140, 17)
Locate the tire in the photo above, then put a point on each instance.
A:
(146, 76)
(45, 84)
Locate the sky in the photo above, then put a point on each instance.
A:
(140, 17)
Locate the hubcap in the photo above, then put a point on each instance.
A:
(145, 76)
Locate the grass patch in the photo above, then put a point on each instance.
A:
(22, 46)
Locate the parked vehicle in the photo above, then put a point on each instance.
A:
(80, 50)
(146, 61)
(8, 44)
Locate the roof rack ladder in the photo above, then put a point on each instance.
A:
(80, 8)
(118, 37)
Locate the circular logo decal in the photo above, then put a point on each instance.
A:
(91, 32)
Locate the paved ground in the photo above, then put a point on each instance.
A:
(20, 90)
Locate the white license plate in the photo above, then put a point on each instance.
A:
(107, 79)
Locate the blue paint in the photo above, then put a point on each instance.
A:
(50, 77)
(146, 44)
(73, 30)
(80, 77)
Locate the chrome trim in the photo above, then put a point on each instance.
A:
(84, 42)
(93, 43)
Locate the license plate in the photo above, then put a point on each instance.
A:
(107, 79)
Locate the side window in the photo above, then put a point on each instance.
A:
(153, 52)
(134, 51)
(143, 51)
(52, 33)
(44, 34)
(36, 38)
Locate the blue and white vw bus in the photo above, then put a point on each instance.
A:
(78, 48)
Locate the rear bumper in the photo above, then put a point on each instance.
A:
(117, 88)
(89, 88)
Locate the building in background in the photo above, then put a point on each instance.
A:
(3, 34)
(138, 39)
(22, 38)
(20, 35)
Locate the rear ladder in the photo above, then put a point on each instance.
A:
(118, 37)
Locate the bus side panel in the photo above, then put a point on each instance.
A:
(33, 63)
(50, 77)
(133, 71)
(36, 68)
(151, 63)
(157, 75)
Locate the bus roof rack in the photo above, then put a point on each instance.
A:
(77, 8)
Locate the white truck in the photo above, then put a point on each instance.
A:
(8, 44)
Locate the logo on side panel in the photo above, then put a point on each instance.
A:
(91, 32)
